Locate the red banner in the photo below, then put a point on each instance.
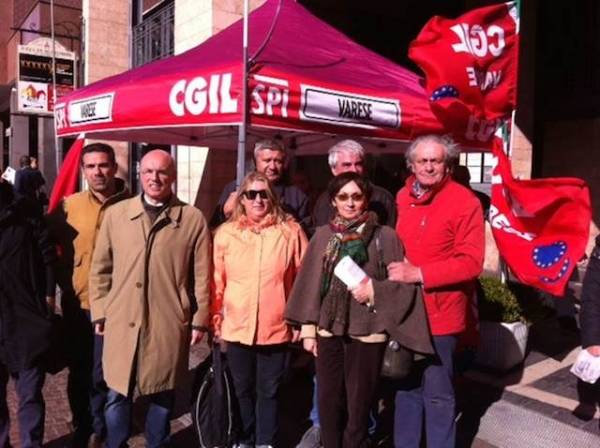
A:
(470, 65)
(66, 181)
(541, 226)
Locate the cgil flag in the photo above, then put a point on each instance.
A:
(470, 65)
(66, 181)
(541, 226)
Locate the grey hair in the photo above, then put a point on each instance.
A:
(452, 150)
(351, 146)
(273, 145)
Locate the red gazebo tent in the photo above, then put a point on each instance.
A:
(306, 82)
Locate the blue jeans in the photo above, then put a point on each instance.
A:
(158, 419)
(314, 411)
(98, 390)
(257, 372)
(31, 410)
(428, 394)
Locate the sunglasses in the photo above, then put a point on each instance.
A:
(251, 194)
(356, 197)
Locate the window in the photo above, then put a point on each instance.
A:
(153, 39)
(479, 165)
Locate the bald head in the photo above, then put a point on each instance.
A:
(157, 175)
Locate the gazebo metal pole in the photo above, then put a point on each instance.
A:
(57, 151)
(241, 152)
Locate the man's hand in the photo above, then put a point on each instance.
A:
(99, 328)
(230, 204)
(363, 292)
(594, 350)
(51, 302)
(197, 336)
(295, 335)
(405, 272)
(310, 345)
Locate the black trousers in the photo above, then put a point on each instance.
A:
(257, 372)
(86, 389)
(347, 374)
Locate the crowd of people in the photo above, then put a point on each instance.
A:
(142, 278)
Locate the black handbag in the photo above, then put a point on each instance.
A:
(213, 406)
(397, 360)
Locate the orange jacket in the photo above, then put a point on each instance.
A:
(253, 276)
(75, 226)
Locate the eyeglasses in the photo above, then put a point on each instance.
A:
(356, 197)
(434, 162)
(251, 194)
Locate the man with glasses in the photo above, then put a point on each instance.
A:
(441, 226)
(349, 156)
(345, 156)
(270, 158)
(149, 295)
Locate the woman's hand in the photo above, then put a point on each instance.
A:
(310, 345)
(295, 335)
(217, 321)
(363, 293)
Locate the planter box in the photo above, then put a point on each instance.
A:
(501, 346)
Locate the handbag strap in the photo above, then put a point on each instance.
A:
(217, 366)
(381, 267)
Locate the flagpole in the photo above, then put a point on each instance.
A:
(241, 151)
(54, 93)
(514, 111)
(510, 143)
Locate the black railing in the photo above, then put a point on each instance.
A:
(154, 38)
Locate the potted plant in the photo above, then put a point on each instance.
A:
(505, 314)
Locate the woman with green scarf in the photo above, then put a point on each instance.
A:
(346, 329)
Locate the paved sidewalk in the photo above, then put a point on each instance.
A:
(539, 406)
(295, 408)
(530, 408)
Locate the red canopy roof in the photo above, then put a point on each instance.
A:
(305, 77)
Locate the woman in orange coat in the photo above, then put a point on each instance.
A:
(257, 254)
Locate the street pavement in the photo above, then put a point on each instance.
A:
(538, 405)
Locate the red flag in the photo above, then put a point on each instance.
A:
(541, 226)
(66, 181)
(470, 65)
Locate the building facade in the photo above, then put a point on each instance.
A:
(558, 118)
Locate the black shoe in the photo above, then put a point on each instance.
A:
(568, 323)
(80, 439)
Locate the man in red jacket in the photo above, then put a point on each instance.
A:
(440, 223)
